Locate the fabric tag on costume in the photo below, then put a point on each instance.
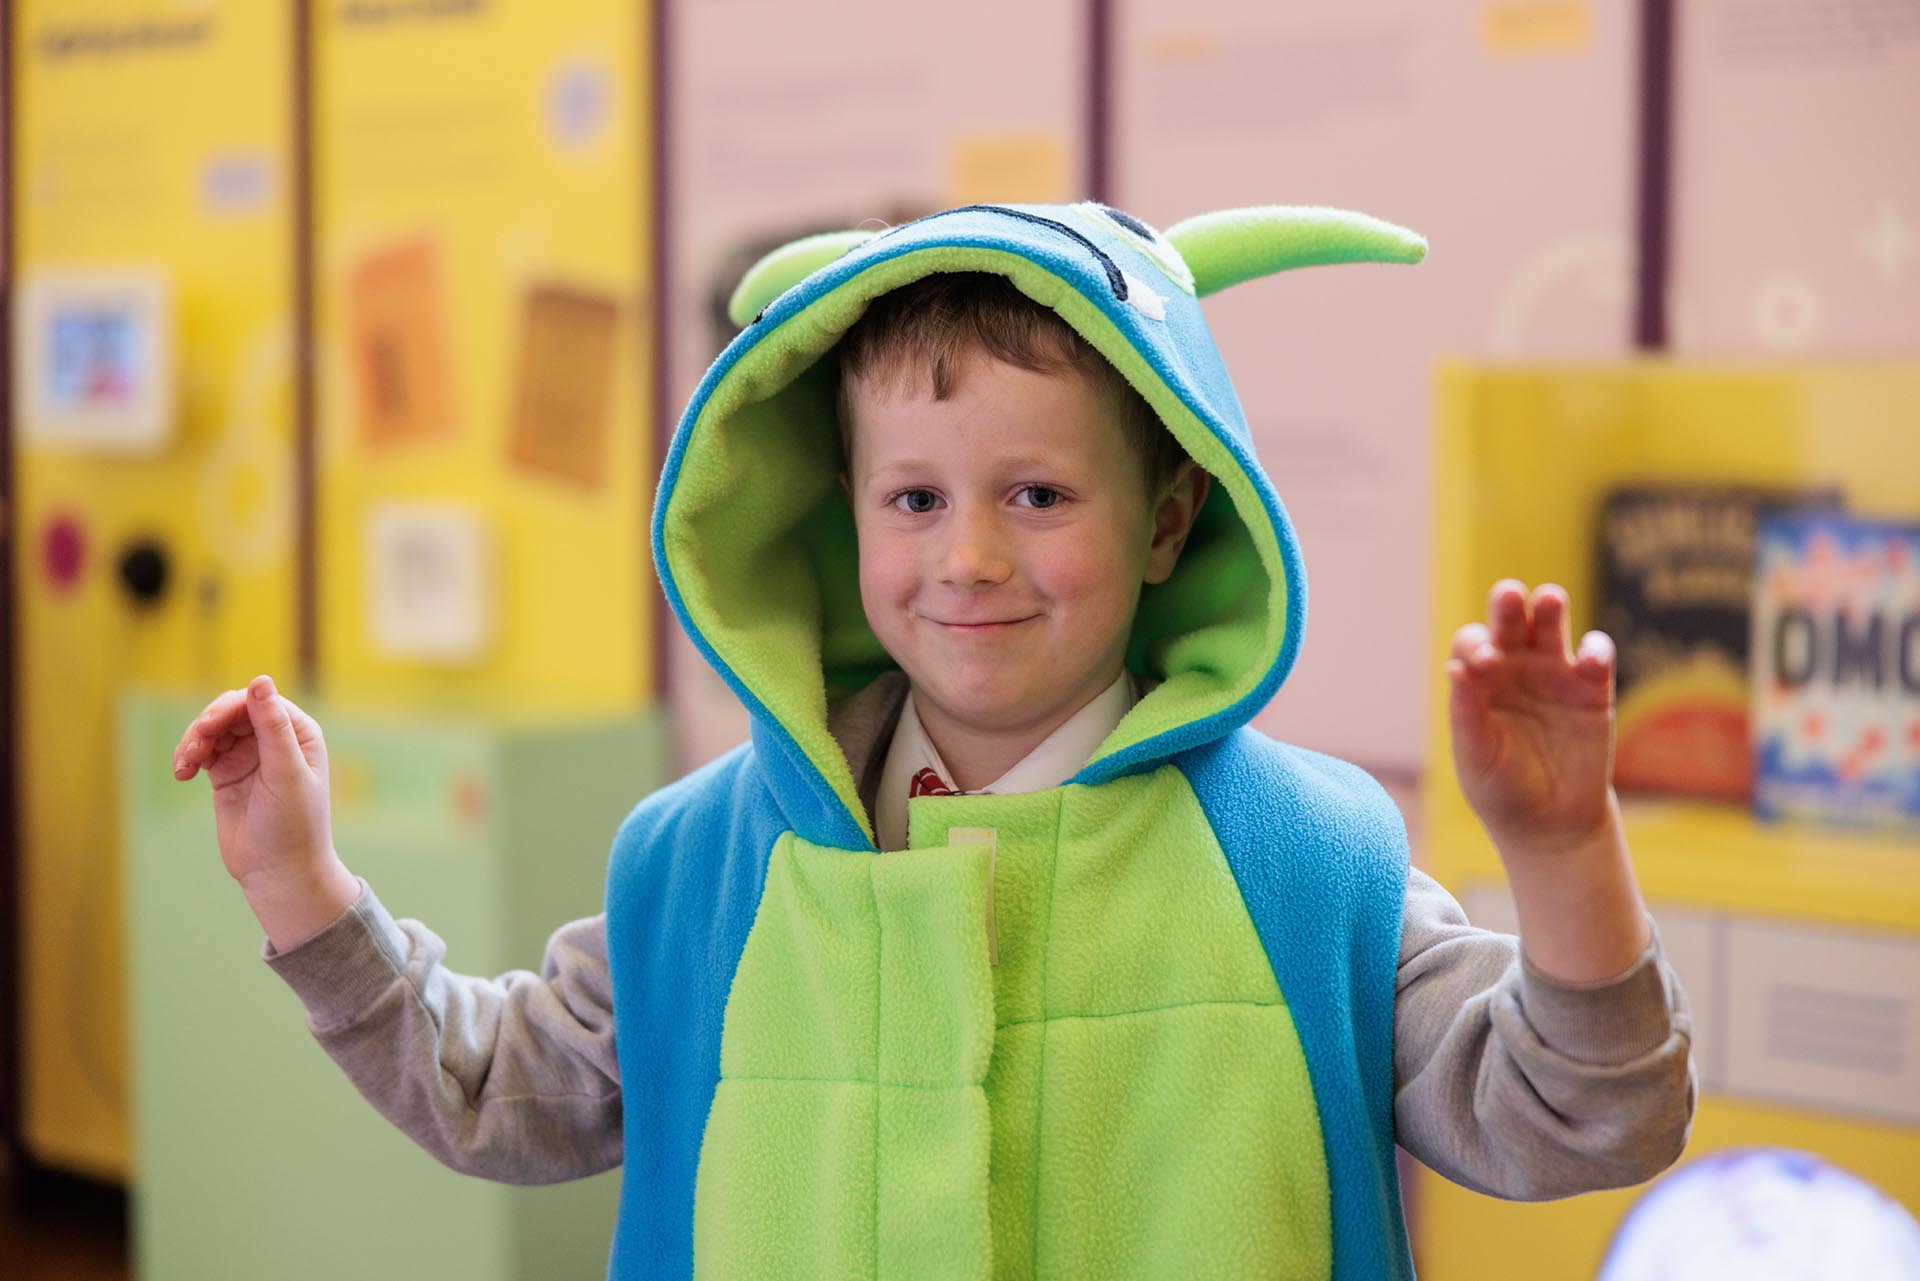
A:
(989, 837)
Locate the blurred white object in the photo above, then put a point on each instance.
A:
(1764, 1214)
(429, 583)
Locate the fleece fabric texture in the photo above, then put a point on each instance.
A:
(1182, 1060)
(1109, 1099)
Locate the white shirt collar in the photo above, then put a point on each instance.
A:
(1057, 758)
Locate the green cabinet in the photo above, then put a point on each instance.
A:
(253, 1154)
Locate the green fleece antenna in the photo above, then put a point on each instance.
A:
(1232, 245)
(787, 266)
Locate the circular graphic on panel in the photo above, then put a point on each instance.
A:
(246, 475)
(1786, 313)
(63, 550)
(1764, 1214)
(579, 103)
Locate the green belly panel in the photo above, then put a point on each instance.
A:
(1120, 1094)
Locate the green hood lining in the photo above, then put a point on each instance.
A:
(759, 540)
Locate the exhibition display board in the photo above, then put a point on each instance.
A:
(1798, 945)
(485, 461)
(153, 465)
(1807, 247)
(1443, 118)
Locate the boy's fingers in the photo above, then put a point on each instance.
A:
(305, 728)
(1507, 613)
(1596, 654)
(279, 746)
(1469, 639)
(187, 752)
(1550, 632)
(211, 732)
(218, 717)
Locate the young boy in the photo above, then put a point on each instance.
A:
(1132, 991)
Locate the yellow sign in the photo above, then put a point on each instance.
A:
(482, 327)
(153, 145)
(1519, 27)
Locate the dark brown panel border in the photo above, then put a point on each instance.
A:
(1653, 195)
(305, 533)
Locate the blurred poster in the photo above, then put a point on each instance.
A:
(399, 349)
(566, 367)
(783, 124)
(1796, 192)
(1500, 131)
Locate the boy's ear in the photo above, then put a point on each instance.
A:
(1173, 519)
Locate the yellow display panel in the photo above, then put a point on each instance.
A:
(152, 146)
(1523, 459)
(485, 470)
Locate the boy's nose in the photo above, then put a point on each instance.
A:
(975, 551)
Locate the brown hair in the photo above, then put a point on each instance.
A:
(937, 319)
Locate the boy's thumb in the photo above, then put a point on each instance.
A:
(273, 728)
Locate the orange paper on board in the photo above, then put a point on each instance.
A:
(398, 342)
(566, 384)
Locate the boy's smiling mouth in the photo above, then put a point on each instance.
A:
(984, 625)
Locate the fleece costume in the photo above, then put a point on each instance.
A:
(1137, 1024)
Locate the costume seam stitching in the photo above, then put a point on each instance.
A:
(1145, 1009)
(879, 955)
(1040, 1083)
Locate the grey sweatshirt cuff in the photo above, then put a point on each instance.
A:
(341, 971)
(1606, 1023)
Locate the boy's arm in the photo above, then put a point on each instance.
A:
(1526, 1087)
(512, 1078)
(1561, 1061)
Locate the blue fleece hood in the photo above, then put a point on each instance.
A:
(754, 542)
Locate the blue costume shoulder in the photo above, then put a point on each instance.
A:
(683, 883)
(1319, 851)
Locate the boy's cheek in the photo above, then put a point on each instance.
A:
(885, 584)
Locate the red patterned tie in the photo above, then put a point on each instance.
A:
(927, 783)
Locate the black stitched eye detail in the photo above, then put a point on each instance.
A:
(1130, 222)
(1116, 279)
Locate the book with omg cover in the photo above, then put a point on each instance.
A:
(1836, 664)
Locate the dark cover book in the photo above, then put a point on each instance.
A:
(1675, 593)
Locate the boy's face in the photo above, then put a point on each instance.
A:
(1004, 535)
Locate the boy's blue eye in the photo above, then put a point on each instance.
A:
(917, 501)
(1041, 496)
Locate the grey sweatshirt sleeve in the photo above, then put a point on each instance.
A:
(511, 1078)
(1520, 1086)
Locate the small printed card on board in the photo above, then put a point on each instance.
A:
(566, 384)
(398, 344)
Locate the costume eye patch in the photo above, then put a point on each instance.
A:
(1144, 238)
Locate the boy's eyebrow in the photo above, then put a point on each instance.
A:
(1009, 463)
(899, 464)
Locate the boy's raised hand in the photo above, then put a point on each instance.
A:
(268, 766)
(1532, 720)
